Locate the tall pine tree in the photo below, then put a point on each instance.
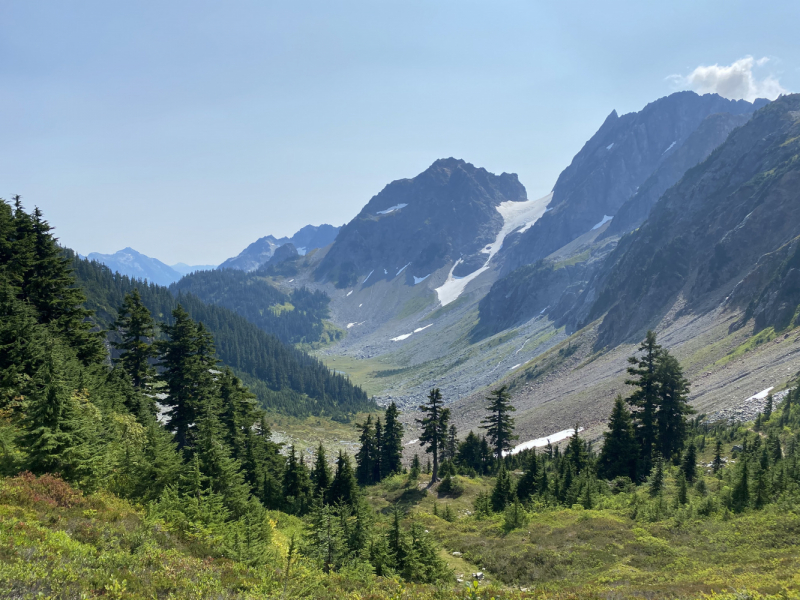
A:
(499, 424)
(434, 428)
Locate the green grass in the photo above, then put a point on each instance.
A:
(414, 305)
(573, 260)
(363, 371)
(762, 337)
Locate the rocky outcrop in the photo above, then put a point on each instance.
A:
(707, 232)
(613, 165)
(415, 226)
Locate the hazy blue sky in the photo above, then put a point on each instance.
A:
(189, 129)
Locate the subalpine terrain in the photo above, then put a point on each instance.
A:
(467, 394)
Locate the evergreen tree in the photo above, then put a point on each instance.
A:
(689, 464)
(644, 399)
(136, 330)
(618, 456)
(673, 406)
(503, 491)
(296, 485)
(186, 359)
(576, 453)
(392, 443)
(344, 487)
(321, 474)
(415, 467)
(434, 428)
(451, 446)
(468, 455)
(740, 497)
(367, 453)
(376, 463)
(716, 464)
(528, 483)
(325, 540)
(683, 491)
(498, 424)
(768, 407)
(656, 485)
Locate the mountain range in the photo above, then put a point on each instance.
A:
(680, 217)
(139, 266)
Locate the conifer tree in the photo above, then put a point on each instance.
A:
(344, 487)
(683, 491)
(296, 485)
(499, 424)
(576, 453)
(673, 406)
(434, 428)
(367, 453)
(716, 464)
(657, 478)
(644, 399)
(451, 447)
(689, 464)
(415, 467)
(768, 407)
(321, 473)
(376, 463)
(392, 443)
(528, 483)
(618, 456)
(503, 491)
(136, 329)
(325, 541)
(186, 360)
(740, 497)
(468, 455)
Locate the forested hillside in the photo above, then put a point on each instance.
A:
(284, 379)
(294, 318)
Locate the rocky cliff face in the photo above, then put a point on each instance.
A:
(614, 164)
(418, 225)
(707, 232)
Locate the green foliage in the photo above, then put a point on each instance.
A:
(498, 423)
(434, 428)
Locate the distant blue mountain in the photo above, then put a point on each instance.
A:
(135, 264)
(259, 252)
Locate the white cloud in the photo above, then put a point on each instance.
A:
(735, 81)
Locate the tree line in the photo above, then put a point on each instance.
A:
(284, 379)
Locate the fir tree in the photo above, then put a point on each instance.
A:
(296, 485)
(656, 485)
(689, 464)
(768, 407)
(673, 406)
(618, 456)
(451, 446)
(644, 399)
(683, 491)
(367, 453)
(434, 428)
(136, 330)
(740, 496)
(344, 487)
(716, 464)
(502, 493)
(321, 473)
(415, 467)
(498, 424)
(528, 483)
(392, 444)
(376, 463)
(576, 453)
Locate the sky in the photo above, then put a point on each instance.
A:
(188, 129)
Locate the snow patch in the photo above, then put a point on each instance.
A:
(761, 395)
(671, 146)
(515, 215)
(385, 272)
(610, 146)
(400, 338)
(348, 293)
(360, 305)
(412, 442)
(401, 270)
(418, 329)
(367, 277)
(602, 222)
(515, 366)
(349, 325)
(290, 281)
(420, 279)
(541, 442)
(301, 251)
(391, 209)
